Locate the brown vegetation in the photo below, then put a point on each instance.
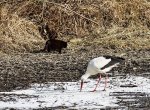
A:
(116, 24)
(17, 34)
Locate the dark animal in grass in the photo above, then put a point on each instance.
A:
(54, 45)
(51, 44)
(47, 33)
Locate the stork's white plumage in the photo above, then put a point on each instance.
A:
(100, 65)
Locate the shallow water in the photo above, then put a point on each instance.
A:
(123, 92)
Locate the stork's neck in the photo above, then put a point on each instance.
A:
(85, 76)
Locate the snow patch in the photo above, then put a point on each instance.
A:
(55, 94)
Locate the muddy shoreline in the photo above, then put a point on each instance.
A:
(20, 70)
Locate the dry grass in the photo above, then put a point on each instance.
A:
(18, 34)
(117, 24)
(133, 38)
(129, 43)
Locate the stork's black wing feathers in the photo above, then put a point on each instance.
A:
(113, 61)
(119, 59)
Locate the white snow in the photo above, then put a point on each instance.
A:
(68, 94)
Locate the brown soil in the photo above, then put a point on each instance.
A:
(20, 70)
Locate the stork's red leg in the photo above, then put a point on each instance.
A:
(97, 82)
(106, 78)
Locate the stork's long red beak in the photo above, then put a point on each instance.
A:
(81, 85)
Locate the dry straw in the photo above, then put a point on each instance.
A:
(114, 24)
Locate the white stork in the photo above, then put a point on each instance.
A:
(100, 65)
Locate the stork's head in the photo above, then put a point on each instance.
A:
(83, 78)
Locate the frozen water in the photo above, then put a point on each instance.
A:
(55, 94)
